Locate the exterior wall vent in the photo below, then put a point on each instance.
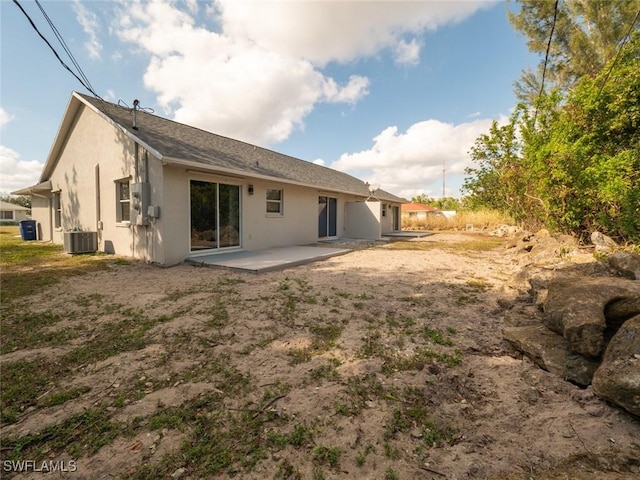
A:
(80, 242)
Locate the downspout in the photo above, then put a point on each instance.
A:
(98, 209)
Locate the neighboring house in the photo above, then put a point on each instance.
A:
(419, 211)
(12, 213)
(161, 191)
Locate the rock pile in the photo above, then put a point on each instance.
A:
(576, 316)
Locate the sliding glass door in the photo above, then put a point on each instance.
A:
(215, 215)
(327, 217)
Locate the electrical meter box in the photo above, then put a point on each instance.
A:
(140, 193)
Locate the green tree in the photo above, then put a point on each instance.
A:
(21, 200)
(586, 36)
(576, 168)
(446, 203)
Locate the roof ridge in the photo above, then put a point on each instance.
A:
(159, 132)
(212, 133)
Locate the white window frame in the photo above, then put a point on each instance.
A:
(57, 209)
(3, 215)
(275, 202)
(121, 203)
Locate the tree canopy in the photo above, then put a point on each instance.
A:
(586, 36)
(572, 162)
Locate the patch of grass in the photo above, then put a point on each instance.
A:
(435, 336)
(361, 456)
(29, 266)
(372, 345)
(89, 299)
(26, 330)
(219, 315)
(111, 339)
(287, 471)
(326, 372)
(417, 361)
(63, 396)
(326, 455)
(80, 435)
(324, 339)
(23, 381)
(360, 390)
(390, 474)
(230, 281)
(476, 243)
(417, 300)
(390, 451)
(411, 415)
(299, 355)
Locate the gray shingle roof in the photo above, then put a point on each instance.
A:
(183, 142)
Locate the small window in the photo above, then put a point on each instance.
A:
(274, 201)
(57, 210)
(6, 215)
(384, 209)
(123, 207)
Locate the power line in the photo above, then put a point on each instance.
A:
(65, 47)
(615, 59)
(84, 81)
(546, 57)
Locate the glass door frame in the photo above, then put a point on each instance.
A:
(217, 248)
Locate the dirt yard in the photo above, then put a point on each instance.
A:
(383, 363)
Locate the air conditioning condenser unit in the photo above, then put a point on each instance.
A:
(80, 242)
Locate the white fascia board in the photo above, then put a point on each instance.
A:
(244, 174)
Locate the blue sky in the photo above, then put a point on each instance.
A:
(387, 91)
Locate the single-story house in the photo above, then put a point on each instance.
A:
(10, 213)
(161, 191)
(419, 211)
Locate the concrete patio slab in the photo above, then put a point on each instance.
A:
(267, 260)
(407, 234)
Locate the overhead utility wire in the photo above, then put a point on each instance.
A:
(546, 57)
(615, 59)
(84, 82)
(65, 47)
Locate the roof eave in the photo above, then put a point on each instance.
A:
(71, 112)
(40, 187)
(198, 166)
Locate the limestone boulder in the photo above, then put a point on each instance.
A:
(625, 264)
(551, 352)
(618, 378)
(580, 309)
(602, 242)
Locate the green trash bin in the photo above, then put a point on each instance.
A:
(28, 230)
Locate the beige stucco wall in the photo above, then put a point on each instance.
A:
(363, 220)
(298, 225)
(386, 222)
(41, 213)
(94, 156)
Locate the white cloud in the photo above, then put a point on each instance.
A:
(408, 53)
(260, 74)
(227, 85)
(406, 163)
(16, 173)
(4, 117)
(319, 161)
(327, 31)
(91, 26)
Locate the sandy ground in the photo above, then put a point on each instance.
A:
(509, 419)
